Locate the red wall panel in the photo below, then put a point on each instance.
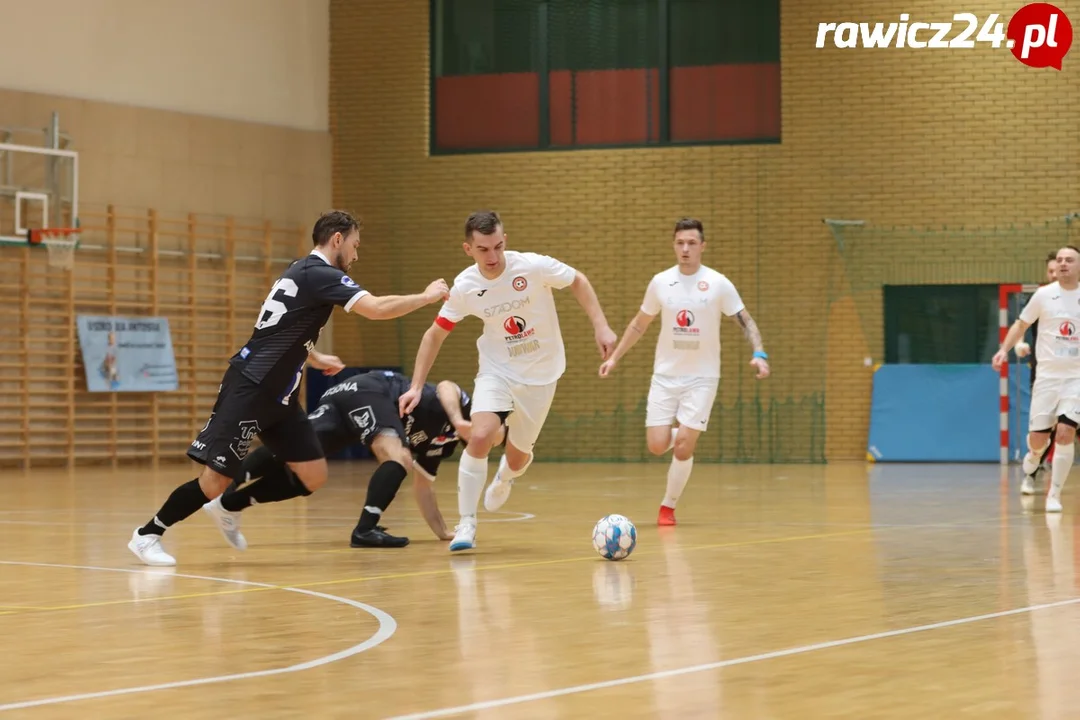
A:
(725, 102)
(487, 111)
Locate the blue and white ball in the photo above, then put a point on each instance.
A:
(614, 537)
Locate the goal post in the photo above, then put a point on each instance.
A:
(1011, 298)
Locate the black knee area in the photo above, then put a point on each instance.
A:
(274, 482)
(382, 488)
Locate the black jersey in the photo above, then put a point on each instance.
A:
(290, 321)
(428, 431)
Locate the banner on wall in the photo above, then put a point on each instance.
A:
(127, 354)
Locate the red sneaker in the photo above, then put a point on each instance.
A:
(667, 516)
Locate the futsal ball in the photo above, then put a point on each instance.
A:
(614, 537)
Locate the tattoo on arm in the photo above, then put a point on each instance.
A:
(750, 329)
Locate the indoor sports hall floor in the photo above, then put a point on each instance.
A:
(913, 591)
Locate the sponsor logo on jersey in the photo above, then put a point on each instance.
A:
(1066, 329)
(514, 325)
(417, 438)
(684, 324)
(506, 307)
(340, 388)
(348, 282)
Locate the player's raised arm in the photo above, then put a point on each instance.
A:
(389, 307)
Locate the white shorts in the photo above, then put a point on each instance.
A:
(686, 399)
(528, 406)
(1051, 398)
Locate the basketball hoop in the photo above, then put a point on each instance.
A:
(61, 244)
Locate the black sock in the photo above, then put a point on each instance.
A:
(276, 484)
(381, 490)
(184, 502)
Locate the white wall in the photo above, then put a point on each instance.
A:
(264, 61)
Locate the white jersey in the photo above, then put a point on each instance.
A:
(521, 341)
(1058, 344)
(690, 308)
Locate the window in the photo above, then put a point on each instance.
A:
(940, 324)
(558, 74)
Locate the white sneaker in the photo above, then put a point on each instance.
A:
(497, 493)
(464, 537)
(1027, 487)
(148, 549)
(1053, 504)
(228, 523)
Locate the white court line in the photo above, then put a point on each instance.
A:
(387, 627)
(548, 694)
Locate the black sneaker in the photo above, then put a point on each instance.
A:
(377, 538)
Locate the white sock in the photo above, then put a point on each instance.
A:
(1059, 471)
(506, 473)
(677, 476)
(1032, 457)
(472, 475)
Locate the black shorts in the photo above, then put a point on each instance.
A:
(242, 411)
(349, 418)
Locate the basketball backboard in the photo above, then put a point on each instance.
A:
(39, 188)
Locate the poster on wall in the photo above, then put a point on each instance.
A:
(127, 354)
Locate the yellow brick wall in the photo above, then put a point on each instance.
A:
(896, 137)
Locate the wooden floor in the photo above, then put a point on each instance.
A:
(786, 592)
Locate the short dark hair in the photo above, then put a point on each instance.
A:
(689, 223)
(1051, 257)
(330, 222)
(1073, 248)
(482, 221)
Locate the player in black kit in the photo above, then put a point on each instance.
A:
(364, 409)
(258, 391)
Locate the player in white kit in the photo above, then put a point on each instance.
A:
(1023, 349)
(521, 357)
(1055, 396)
(690, 298)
